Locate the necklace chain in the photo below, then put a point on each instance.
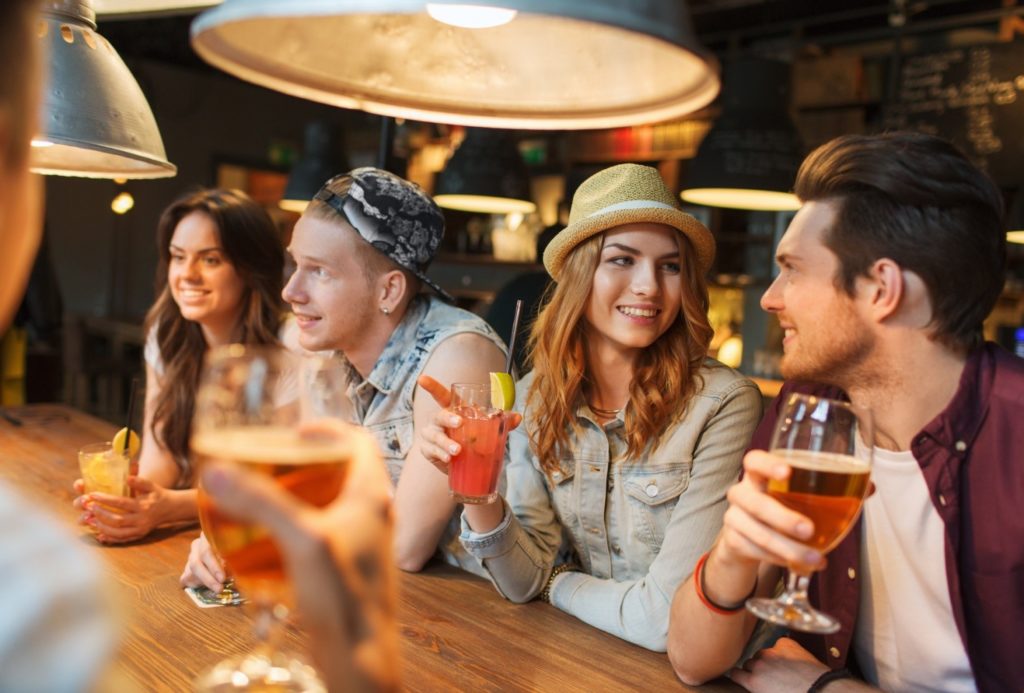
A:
(604, 413)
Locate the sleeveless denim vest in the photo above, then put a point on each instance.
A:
(383, 402)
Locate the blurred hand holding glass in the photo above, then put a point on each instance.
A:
(828, 481)
(104, 469)
(257, 407)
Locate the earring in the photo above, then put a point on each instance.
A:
(385, 310)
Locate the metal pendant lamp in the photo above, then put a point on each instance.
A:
(96, 121)
(1015, 218)
(485, 174)
(321, 159)
(749, 158)
(134, 8)
(552, 64)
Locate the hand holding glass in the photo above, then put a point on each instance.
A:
(828, 480)
(250, 410)
(473, 473)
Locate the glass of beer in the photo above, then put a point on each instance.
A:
(258, 407)
(827, 445)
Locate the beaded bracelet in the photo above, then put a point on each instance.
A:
(545, 594)
(698, 584)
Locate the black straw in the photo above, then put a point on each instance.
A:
(131, 413)
(512, 338)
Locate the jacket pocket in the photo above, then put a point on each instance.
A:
(395, 439)
(653, 491)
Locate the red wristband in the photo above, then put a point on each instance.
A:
(698, 584)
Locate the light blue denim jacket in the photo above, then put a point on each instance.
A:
(636, 527)
(383, 402)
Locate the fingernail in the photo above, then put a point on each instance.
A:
(454, 421)
(780, 470)
(803, 530)
(812, 558)
(454, 448)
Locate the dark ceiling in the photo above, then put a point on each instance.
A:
(722, 25)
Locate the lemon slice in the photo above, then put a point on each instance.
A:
(133, 442)
(503, 391)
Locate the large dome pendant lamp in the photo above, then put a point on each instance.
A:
(486, 174)
(749, 158)
(528, 64)
(96, 122)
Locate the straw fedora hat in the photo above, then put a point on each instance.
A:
(625, 194)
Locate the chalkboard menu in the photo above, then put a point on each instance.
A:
(973, 96)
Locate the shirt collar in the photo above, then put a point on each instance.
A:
(386, 370)
(956, 427)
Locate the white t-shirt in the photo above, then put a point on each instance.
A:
(906, 638)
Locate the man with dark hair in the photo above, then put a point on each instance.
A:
(886, 274)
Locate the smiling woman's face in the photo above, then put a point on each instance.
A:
(637, 288)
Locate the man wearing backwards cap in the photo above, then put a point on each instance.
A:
(361, 251)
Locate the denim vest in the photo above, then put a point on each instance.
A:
(383, 402)
(635, 526)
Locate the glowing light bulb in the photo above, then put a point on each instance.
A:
(470, 16)
(39, 143)
(123, 203)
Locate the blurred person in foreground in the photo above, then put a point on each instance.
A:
(631, 435)
(56, 633)
(885, 276)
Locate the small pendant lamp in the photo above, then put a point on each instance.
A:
(537, 64)
(96, 122)
(749, 158)
(485, 174)
(321, 159)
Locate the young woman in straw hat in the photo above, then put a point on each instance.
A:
(616, 481)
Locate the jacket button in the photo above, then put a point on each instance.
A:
(834, 651)
(556, 476)
(651, 490)
(851, 573)
(960, 446)
(942, 500)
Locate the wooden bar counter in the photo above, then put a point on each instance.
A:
(457, 632)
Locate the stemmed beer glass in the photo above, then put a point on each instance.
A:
(829, 476)
(257, 407)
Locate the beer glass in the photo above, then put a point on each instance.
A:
(828, 480)
(257, 407)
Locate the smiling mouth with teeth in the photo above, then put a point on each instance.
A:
(638, 312)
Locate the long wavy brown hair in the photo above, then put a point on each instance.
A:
(251, 244)
(666, 374)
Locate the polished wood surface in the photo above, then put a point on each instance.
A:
(457, 632)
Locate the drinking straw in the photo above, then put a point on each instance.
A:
(512, 338)
(131, 412)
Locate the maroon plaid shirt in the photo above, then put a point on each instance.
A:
(972, 458)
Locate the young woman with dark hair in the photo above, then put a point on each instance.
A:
(219, 281)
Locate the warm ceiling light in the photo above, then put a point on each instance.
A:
(95, 116)
(741, 198)
(1015, 236)
(122, 202)
(562, 64)
(36, 142)
(470, 16)
(750, 156)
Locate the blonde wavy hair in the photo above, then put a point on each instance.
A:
(666, 375)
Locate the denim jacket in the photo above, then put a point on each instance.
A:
(383, 402)
(636, 527)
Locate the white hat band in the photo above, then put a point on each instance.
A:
(631, 204)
